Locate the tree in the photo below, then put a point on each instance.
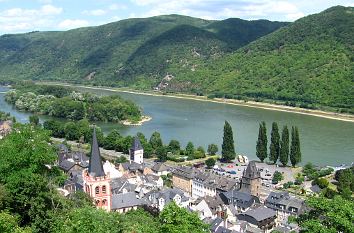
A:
(345, 181)
(277, 176)
(228, 147)
(9, 224)
(161, 153)
(261, 148)
(34, 120)
(321, 182)
(111, 139)
(199, 153)
(175, 219)
(274, 149)
(212, 149)
(327, 215)
(121, 159)
(72, 131)
(284, 146)
(55, 127)
(210, 162)
(155, 140)
(295, 151)
(190, 150)
(174, 147)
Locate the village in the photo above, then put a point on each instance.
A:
(239, 200)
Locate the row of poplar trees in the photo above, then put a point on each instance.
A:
(279, 148)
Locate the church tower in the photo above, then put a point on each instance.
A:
(97, 184)
(136, 151)
(251, 179)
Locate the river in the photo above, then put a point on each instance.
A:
(323, 141)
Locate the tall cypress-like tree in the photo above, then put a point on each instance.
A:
(228, 147)
(284, 146)
(262, 142)
(274, 143)
(295, 151)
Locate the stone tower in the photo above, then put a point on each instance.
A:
(136, 151)
(251, 179)
(97, 184)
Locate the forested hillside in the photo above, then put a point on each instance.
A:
(308, 63)
(121, 51)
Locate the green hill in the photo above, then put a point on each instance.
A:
(115, 53)
(308, 63)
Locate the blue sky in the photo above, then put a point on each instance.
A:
(28, 15)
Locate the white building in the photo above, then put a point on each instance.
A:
(136, 152)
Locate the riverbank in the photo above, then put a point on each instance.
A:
(141, 122)
(251, 104)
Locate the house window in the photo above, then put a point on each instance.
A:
(104, 189)
(97, 190)
(104, 202)
(98, 203)
(87, 189)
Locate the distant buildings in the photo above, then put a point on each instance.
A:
(5, 128)
(251, 179)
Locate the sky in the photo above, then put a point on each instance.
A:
(17, 16)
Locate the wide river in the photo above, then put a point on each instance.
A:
(323, 141)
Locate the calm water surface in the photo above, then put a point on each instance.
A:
(323, 141)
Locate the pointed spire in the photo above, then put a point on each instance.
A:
(95, 166)
(136, 144)
(251, 171)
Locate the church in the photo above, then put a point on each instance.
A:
(98, 184)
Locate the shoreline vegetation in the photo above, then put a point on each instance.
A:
(251, 104)
(138, 123)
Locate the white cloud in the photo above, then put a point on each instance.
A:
(97, 12)
(19, 19)
(116, 6)
(72, 23)
(295, 16)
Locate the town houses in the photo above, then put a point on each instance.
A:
(226, 203)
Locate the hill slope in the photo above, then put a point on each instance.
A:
(310, 62)
(116, 53)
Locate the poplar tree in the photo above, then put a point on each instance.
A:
(228, 147)
(284, 146)
(261, 148)
(274, 143)
(295, 151)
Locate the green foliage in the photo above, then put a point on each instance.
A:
(74, 105)
(228, 147)
(210, 162)
(321, 182)
(155, 140)
(178, 220)
(199, 153)
(139, 221)
(9, 224)
(295, 151)
(161, 153)
(277, 176)
(274, 149)
(284, 146)
(174, 146)
(261, 147)
(190, 150)
(6, 116)
(121, 159)
(87, 219)
(212, 149)
(328, 215)
(346, 182)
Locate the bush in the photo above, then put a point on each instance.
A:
(277, 177)
(321, 182)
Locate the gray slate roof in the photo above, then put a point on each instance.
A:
(260, 213)
(214, 181)
(125, 200)
(95, 165)
(185, 172)
(283, 201)
(166, 194)
(136, 144)
(66, 165)
(239, 199)
(159, 167)
(251, 171)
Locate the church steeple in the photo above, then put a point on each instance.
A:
(95, 166)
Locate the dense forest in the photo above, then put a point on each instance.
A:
(63, 102)
(308, 63)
